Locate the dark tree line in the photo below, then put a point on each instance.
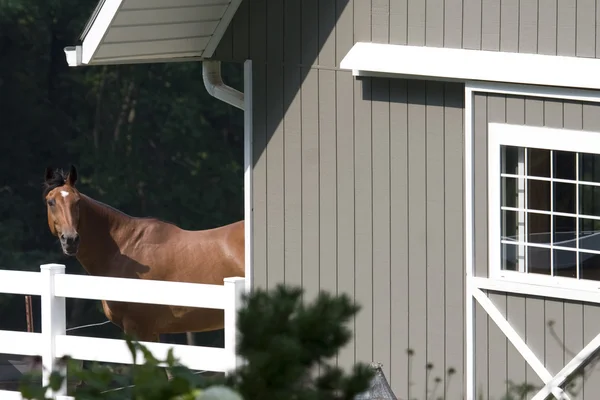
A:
(147, 139)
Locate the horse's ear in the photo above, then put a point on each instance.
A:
(48, 174)
(72, 177)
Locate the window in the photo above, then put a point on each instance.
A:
(544, 205)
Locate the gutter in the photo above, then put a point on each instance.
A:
(73, 55)
(211, 74)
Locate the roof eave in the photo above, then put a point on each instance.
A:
(102, 19)
(99, 23)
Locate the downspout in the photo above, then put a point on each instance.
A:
(211, 74)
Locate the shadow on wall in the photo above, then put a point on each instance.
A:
(284, 39)
(412, 91)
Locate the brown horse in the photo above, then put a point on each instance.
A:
(108, 242)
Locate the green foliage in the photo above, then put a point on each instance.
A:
(283, 341)
(149, 381)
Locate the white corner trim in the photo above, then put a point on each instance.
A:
(470, 334)
(478, 65)
(248, 167)
(217, 35)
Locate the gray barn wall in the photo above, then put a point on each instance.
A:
(358, 183)
(555, 330)
(344, 169)
(554, 27)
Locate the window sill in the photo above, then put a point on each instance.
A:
(585, 292)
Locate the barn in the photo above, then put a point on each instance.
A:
(434, 159)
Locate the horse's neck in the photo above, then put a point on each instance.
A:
(100, 228)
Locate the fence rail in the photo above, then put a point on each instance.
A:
(54, 286)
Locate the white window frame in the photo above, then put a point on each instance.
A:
(542, 138)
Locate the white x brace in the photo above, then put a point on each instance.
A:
(552, 383)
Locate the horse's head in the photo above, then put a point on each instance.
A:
(62, 204)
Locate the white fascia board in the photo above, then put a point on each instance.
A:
(221, 28)
(374, 59)
(94, 36)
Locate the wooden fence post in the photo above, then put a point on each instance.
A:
(53, 324)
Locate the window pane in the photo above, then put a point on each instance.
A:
(589, 234)
(538, 195)
(589, 200)
(510, 225)
(510, 192)
(564, 197)
(538, 162)
(590, 266)
(565, 231)
(565, 263)
(564, 164)
(538, 260)
(589, 167)
(510, 257)
(538, 228)
(510, 159)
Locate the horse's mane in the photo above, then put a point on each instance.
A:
(59, 178)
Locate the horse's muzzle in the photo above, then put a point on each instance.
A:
(69, 244)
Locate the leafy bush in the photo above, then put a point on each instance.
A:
(283, 341)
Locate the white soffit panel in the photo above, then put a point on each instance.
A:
(374, 59)
(137, 31)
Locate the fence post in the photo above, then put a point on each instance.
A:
(53, 324)
(234, 289)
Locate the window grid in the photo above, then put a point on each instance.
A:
(523, 265)
(523, 211)
(547, 246)
(578, 267)
(552, 234)
(542, 178)
(556, 213)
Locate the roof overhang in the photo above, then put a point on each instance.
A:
(138, 31)
(388, 60)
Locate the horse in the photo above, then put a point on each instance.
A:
(107, 242)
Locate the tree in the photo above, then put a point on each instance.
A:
(147, 138)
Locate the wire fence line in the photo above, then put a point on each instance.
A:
(87, 326)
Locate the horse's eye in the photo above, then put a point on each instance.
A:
(51, 202)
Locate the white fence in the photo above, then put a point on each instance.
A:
(54, 286)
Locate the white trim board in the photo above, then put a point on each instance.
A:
(248, 185)
(505, 286)
(472, 65)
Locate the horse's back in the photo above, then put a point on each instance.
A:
(206, 256)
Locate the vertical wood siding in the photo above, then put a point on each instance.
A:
(358, 183)
(555, 330)
(370, 206)
(554, 27)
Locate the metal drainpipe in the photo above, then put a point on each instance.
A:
(211, 74)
